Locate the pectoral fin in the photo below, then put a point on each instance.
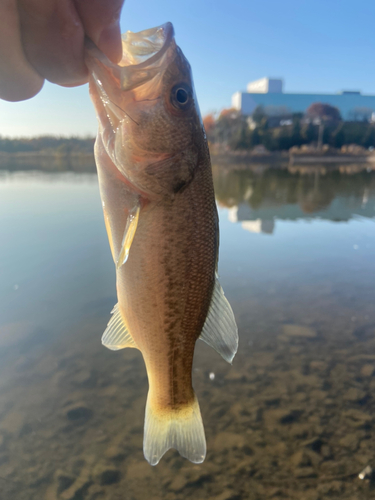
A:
(116, 335)
(220, 329)
(109, 232)
(127, 240)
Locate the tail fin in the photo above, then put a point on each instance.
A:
(181, 429)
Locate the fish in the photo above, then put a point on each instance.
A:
(160, 214)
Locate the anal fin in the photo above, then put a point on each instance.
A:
(220, 329)
(116, 336)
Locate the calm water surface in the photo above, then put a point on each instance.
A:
(292, 418)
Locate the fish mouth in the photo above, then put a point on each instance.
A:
(146, 46)
(142, 57)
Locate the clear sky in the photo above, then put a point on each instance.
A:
(315, 46)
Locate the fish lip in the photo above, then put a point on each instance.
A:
(93, 55)
(168, 33)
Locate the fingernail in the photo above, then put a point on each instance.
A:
(110, 42)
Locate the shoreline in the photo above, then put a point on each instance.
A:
(85, 162)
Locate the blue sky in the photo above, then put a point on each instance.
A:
(315, 46)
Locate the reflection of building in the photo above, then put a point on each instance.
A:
(242, 214)
(263, 218)
(268, 92)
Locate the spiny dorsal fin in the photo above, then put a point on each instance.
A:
(220, 329)
(116, 335)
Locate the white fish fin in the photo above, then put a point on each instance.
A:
(127, 240)
(109, 232)
(180, 429)
(220, 329)
(116, 335)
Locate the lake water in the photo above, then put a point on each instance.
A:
(292, 418)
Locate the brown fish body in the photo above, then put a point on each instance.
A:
(165, 288)
(161, 219)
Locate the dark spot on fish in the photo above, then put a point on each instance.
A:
(180, 186)
(172, 325)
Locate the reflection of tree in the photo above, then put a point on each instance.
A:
(231, 187)
(317, 196)
(275, 188)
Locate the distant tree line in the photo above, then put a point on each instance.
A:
(321, 123)
(57, 145)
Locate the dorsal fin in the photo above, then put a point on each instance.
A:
(220, 329)
(116, 335)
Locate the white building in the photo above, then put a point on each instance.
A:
(268, 93)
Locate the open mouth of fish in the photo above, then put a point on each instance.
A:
(146, 47)
(142, 57)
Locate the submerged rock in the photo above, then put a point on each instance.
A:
(300, 459)
(282, 416)
(110, 476)
(350, 441)
(79, 413)
(367, 370)
(299, 331)
(228, 495)
(304, 472)
(367, 473)
(355, 395)
(314, 444)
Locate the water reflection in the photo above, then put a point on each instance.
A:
(293, 417)
(259, 199)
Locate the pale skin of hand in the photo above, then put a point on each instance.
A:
(44, 40)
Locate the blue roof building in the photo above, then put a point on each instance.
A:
(268, 92)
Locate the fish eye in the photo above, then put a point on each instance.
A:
(181, 96)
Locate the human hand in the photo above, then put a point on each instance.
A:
(44, 40)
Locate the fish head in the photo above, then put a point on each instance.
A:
(149, 119)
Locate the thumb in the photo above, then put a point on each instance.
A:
(101, 23)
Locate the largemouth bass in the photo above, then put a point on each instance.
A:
(160, 214)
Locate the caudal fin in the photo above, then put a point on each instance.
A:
(180, 429)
